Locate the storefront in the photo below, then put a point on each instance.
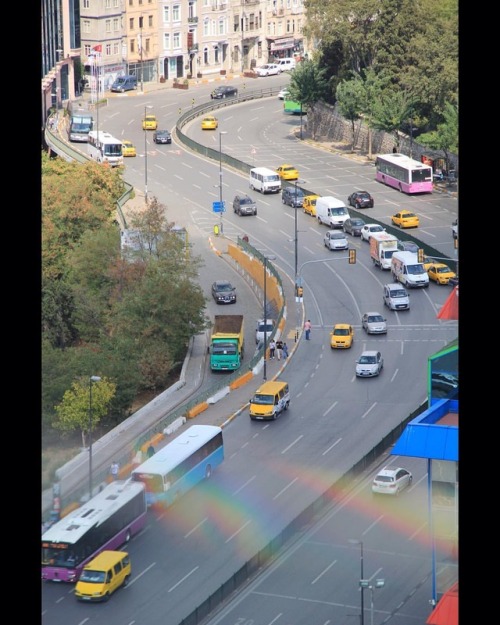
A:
(283, 47)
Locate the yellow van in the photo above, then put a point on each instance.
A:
(270, 400)
(103, 575)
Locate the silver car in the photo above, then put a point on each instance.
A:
(369, 364)
(335, 240)
(374, 323)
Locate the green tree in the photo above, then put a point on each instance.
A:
(351, 98)
(74, 410)
(307, 86)
(390, 112)
(445, 137)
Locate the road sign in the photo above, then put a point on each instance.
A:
(219, 207)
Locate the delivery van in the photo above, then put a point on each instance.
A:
(103, 575)
(406, 269)
(269, 401)
(331, 211)
(264, 180)
(124, 83)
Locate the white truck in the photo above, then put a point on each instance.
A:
(406, 269)
(382, 247)
(331, 211)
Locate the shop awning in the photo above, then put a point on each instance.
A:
(281, 43)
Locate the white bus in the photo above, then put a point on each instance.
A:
(104, 148)
(181, 464)
(264, 180)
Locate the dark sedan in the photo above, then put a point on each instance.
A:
(361, 199)
(223, 292)
(224, 91)
(162, 136)
(353, 226)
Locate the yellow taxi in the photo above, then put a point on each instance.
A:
(128, 148)
(287, 172)
(150, 122)
(342, 336)
(405, 219)
(209, 123)
(440, 273)
(309, 204)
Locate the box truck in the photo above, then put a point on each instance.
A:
(382, 247)
(226, 344)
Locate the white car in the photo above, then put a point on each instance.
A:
(369, 364)
(335, 240)
(367, 230)
(269, 69)
(262, 328)
(283, 93)
(391, 481)
(374, 323)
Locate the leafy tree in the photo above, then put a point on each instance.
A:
(445, 138)
(390, 112)
(308, 85)
(74, 410)
(351, 96)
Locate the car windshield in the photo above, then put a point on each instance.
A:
(264, 400)
(443, 270)
(224, 287)
(375, 318)
(246, 200)
(338, 211)
(337, 235)
(367, 360)
(415, 269)
(341, 331)
(384, 478)
(398, 293)
(265, 328)
(356, 222)
(376, 229)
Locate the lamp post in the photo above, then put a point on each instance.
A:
(141, 23)
(266, 258)
(221, 132)
(242, 45)
(93, 378)
(365, 583)
(146, 156)
(354, 541)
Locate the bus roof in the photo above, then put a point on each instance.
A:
(103, 137)
(92, 513)
(403, 160)
(178, 450)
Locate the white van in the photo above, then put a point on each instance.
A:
(331, 211)
(264, 180)
(287, 64)
(406, 269)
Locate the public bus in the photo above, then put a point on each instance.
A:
(80, 124)
(104, 148)
(181, 464)
(403, 173)
(294, 108)
(105, 522)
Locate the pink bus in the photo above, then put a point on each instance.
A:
(404, 173)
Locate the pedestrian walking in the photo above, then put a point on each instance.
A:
(115, 467)
(272, 348)
(285, 351)
(279, 348)
(307, 328)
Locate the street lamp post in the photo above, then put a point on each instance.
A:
(146, 156)
(361, 579)
(221, 132)
(266, 258)
(93, 378)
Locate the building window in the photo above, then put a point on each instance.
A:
(150, 21)
(191, 10)
(216, 54)
(107, 49)
(177, 40)
(108, 4)
(132, 46)
(116, 24)
(116, 48)
(222, 29)
(176, 12)
(205, 56)
(206, 27)
(166, 41)
(86, 26)
(131, 3)
(289, 28)
(107, 26)
(115, 3)
(148, 47)
(166, 14)
(131, 23)
(86, 4)
(87, 49)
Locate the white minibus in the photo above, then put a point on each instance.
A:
(265, 180)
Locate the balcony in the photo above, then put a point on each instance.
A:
(193, 20)
(219, 7)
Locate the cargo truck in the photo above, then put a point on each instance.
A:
(226, 344)
(382, 247)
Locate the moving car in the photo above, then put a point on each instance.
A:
(283, 94)
(287, 172)
(224, 91)
(369, 364)
(391, 481)
(162, 136)
(309, 204)
(292, 196)
(367, 230)
(269, 69)
(128, 148)
(408, 246)
(209, 122)
(361, 199)
(396, 296)
(244, 205)
(342, 336)
(374, 323)
(405, 219)
(440, 273)
(150, 122)
(223, 292)
(335, 240)
(353, 226)
(263, 328)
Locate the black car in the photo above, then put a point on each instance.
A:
(224, 91)
(244, 205)
(361, 199)
(353, 226)
(162, 136)
(292, 196)
(223, 292)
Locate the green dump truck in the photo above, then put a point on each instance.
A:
(226, 345)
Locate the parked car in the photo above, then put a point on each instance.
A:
(269, 69)
(128, 148)
(353, 226)
(287, 172)
(293, 196)
(405, 219)
(244, 205)
(223, 292)
(361, 199)
(335, 240)
(149, 122)
(162, 136)
(391, 481)
(374, 323)
(440, 273)
(408, 246)
(224, 91)
(342, 336)
(309, 204)
(367, 230)
(369, 364)
(209, 122)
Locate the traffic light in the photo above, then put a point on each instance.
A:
(352, 257)
(420, 255)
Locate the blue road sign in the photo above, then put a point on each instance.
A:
(219, 207)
